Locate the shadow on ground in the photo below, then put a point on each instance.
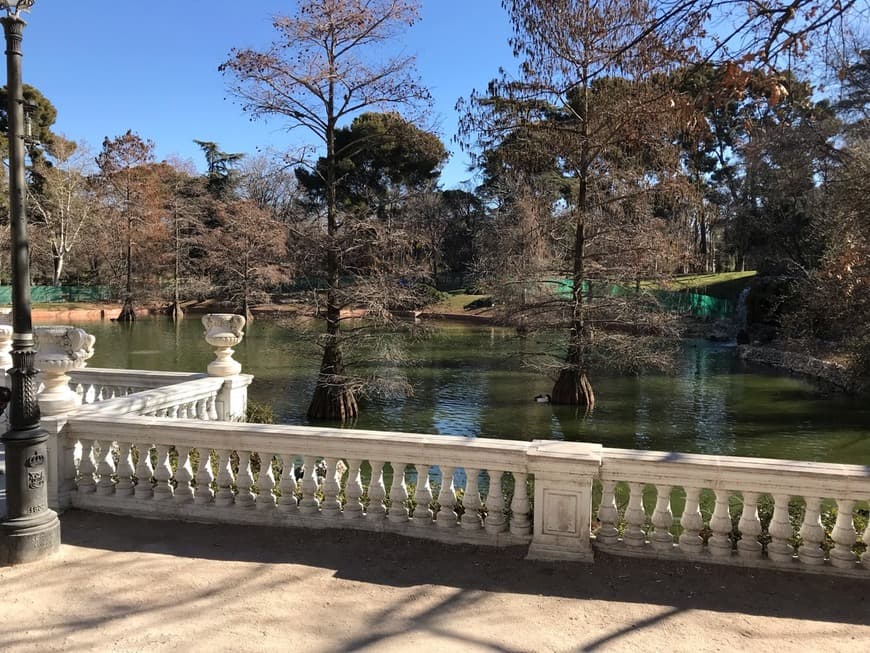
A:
(388, 559)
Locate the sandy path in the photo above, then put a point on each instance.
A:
(122, 584)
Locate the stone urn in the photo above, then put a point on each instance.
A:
(5, 339)
(59, 350)
(223, 331)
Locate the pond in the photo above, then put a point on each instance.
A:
(470, 381)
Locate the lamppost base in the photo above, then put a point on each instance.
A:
(22, 541)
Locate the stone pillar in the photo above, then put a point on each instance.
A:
(563, 473)
(60, 349)
(223, 331)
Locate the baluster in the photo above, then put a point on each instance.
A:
(201, 410)
(398, 495)
(287, 502)
(495, 521)
(662, 520)
(520, 523)
(749, 526)
(67, 447)
(692, 522)
(376, 492)
(225, 496)
(780, 530)
(353, 491)
(163, 413)
(244, 481)
(422, 497)
(105, 470)
(184, 411)
(144, 472)
(331, 506)
(470, 519)
(265, 483)
(162, 474)
(719, 543)
(172, 412)
(212, 408)
(607, 514)
(635, 517)
(87, 483)
(447, 517)
(124, 486)
(844, 535)
(204, 478)
(865, 557)
(309, 504)
(812, 533)
(183, 476)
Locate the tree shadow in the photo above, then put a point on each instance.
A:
(393, 560)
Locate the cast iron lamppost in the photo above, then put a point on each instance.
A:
(30, 531)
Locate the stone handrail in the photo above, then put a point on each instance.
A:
(736, 488)
(344, 478)
(194, 399)
(305, 467)
(96, 384)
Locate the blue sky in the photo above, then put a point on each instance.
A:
(113, 65)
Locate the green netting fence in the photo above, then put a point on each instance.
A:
(51, 294)
(701, 306)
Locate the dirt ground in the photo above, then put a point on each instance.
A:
(122, 584)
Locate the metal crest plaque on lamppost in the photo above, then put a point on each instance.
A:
(29, 531)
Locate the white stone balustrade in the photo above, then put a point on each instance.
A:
(164, 445)
(793, 493)
(220, 487)
(94, 384)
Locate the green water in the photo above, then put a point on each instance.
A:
(469, 381)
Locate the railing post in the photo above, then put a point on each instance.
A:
(223, 331)
(59, 350)
(563, 473)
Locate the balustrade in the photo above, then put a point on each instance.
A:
(334, 490)
(139, 445)
(716, 491)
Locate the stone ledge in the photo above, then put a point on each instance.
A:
(275, 517)
(804, 364)
(733, 560)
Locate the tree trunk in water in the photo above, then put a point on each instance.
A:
(333, 399)
(128, 313)
(572, 388)
(175, 312)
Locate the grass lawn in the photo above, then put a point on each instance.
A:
(725, 285)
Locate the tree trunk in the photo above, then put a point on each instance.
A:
(572, 388)
(175, 312)
(333, 398)
(128, 312)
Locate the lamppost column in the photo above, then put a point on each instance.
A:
(29, 531)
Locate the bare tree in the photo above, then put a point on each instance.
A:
(327, 66)
(244, 252)
(64, 204)
(593, 107)
(124, 172)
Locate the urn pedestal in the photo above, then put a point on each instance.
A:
(223, 331)
(59, 350)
